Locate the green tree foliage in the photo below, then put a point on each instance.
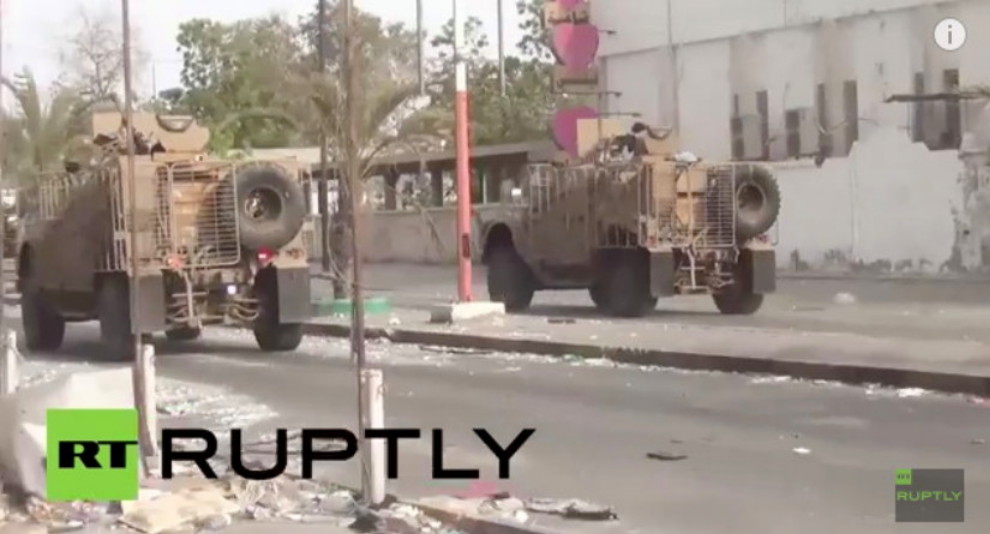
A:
(45, 132)
(240, 70)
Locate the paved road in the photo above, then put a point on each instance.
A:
(919, 310)
(595, 425)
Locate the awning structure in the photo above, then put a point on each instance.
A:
(939, 97)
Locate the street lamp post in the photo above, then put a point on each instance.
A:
(147, 441)
(463, 161)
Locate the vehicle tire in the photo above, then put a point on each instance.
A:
(736, 300)
(271, 335)
(628, 285)
(113, 309)
(271, 207)
(44, 328)
(757, 202)
(183, 334)
(599, 295)
(509, 280)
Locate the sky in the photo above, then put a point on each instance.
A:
(33, 29)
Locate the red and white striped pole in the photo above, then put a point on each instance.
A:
(463, 162)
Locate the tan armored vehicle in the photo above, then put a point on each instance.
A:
(633, 222)
(218, 242)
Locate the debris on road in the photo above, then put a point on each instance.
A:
(910, 393)
(801, 450)
(666, 456)
(572, 509)
(845, 299)
(561, 320)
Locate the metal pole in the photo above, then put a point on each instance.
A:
(375, 400)
(420, 52)
(141, 393)
(356, 197)
(3, 189)
(323, 185)
(463, 161)
(501, 48)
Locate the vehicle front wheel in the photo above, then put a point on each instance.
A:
(738, 301)
(510, 280)
(183, 334)
(44, 328)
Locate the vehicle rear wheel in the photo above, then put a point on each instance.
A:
(736, 300)
(269, 333)
(599, 295)
(628, 285)
(183, 334)
(44, 328)
(510, 280)
(113, 308)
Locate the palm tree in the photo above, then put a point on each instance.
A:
(42, 135)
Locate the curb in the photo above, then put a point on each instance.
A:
(845, 373)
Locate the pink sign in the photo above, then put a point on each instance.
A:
(576, 44)
(565, 127)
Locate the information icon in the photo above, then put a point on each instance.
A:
(950, 35)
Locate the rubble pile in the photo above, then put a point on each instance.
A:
(190, 505)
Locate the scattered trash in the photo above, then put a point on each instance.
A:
(572, 509)
(845, 299)
(666, 456)
(910, 392)
(802, 450)
(394, 321)
(978, 441)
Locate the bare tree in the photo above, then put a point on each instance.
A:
(91, 54)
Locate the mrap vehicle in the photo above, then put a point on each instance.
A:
(640, 221)
(218, 241)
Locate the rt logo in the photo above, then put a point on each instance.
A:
(92, 455)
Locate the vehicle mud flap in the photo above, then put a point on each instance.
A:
(150, 313)
(293, 290)
(761, 264)
(662, 274)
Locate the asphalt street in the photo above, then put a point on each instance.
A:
(956, 310)
(763, 455)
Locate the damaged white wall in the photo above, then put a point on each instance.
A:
(891, 200)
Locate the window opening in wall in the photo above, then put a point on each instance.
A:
(763, 110)
(918, 123)
(736, 130)
(824, 138)
(792, 120)
(851, 101)
(952, 137)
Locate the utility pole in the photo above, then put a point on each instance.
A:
(148, 443)
(420, 52)
(323, 185)
(463, 161)
(3, 190)
(356, 196)
(501, 49)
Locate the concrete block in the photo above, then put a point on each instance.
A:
(23, 419)
(466, 311)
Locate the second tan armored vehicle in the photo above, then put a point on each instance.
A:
(633, 228)
(217, 242)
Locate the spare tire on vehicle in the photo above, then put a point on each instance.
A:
(271, 207)
(757, 201)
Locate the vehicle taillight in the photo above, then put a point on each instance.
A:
(265, 256)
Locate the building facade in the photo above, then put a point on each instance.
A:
(804, 85)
